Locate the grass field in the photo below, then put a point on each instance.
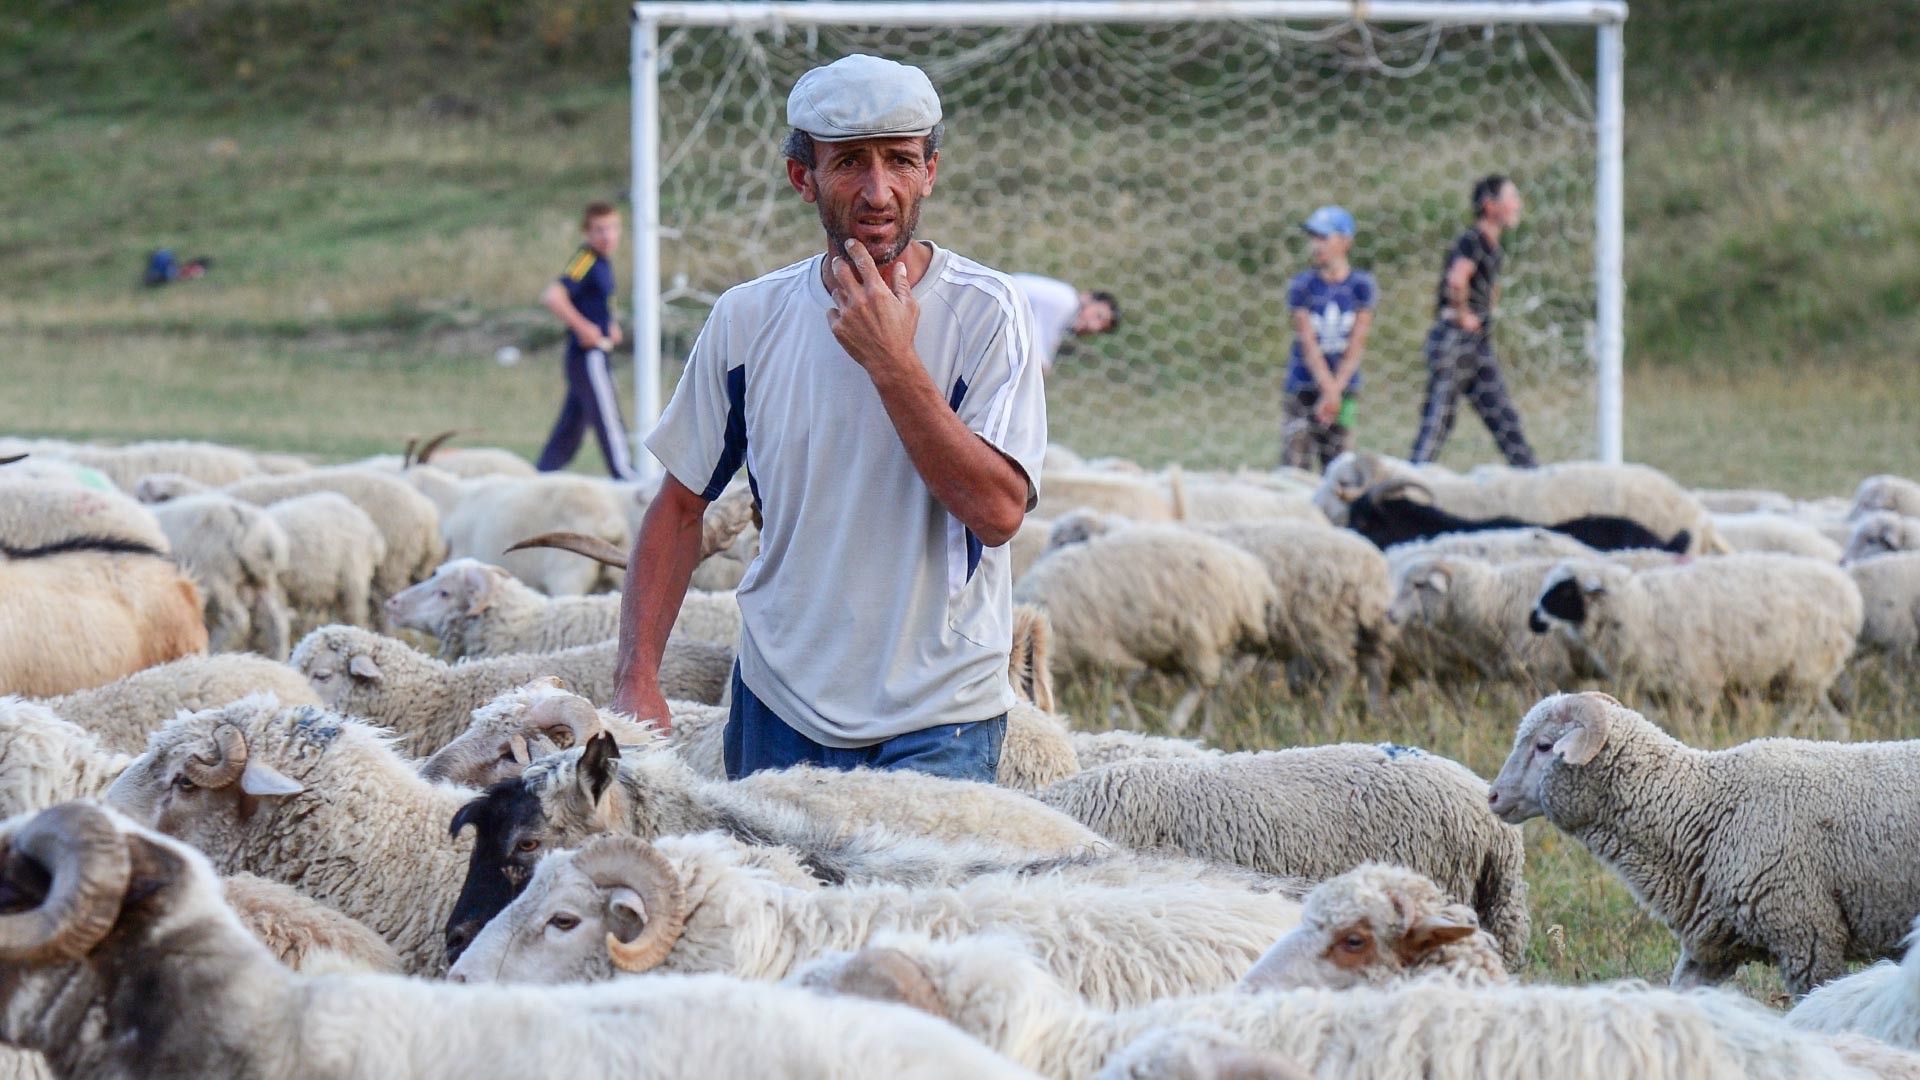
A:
(1603, 934)
(382, 215)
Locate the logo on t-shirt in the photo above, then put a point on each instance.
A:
(1332, 327)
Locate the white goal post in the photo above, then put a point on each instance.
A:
(1583, 331)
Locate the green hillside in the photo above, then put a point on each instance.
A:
(370, 178)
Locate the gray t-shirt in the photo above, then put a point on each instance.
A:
(870, 611)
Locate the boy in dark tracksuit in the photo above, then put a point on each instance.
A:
(583, 299)
(1459, 348)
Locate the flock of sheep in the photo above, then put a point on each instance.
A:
(296, 757)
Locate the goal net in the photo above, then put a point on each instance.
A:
(1171, 164)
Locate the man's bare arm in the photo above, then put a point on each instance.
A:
(874, 320)
(664, 556)
(555, 299)
(1459, 274)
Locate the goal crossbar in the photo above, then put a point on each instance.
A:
(766, 14)
(1606, 16)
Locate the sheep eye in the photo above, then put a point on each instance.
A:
(321, 676)
(1353, 943)
(183, 783)
(1543, 747)
(527, 844)
(444, 594)
(564, 922)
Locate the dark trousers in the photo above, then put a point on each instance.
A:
(756, 738)
(1462, 363)
(590, 402)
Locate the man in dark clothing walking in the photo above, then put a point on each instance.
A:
(583, 300)
(1459, 348)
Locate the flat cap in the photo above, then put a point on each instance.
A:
(863, 97)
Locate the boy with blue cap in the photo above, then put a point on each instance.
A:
(1332, 306)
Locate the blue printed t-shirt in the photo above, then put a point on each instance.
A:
(588, 280)
(1331, 308)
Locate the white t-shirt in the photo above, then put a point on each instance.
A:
(870, 611)
(1055, 304)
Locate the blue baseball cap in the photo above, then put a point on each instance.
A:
(1329, 221)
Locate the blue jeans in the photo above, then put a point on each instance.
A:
(756, 739)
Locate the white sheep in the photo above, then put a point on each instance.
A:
(1885, 492)
(692, 903)
(1879, 532)
(481, 518)
(83, 612)
(1890, 592)
(408, 520)
(1494, 545)
(1882, 1002)
(1462, 614)
(303, 933)
(1420, 1029)
(123, 712)
(1328, 617)
(1376, 925)
(40, 513)
(1742, 501)
(1135, 497)
(1549, 494)
(208, 463)
(594, 788)
(1153, 598)
(314, 800)
(477, 609)
(1097, 748)
(1690, 633)
(1238, 500)
(1767, 531)
(1315, 813)
(1777, 850)
(239, 557)
(179, 988)
(48, 760)
(1028, 544)
(528, 722)
(363, 674)
(333, 552)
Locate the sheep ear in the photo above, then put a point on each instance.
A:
(261, 779)
(1452, 923)
(481, 582)
(1592, 585)
(599, 765)
(364, 667)
(1585, 737)
(626, 913)
(1438, 580)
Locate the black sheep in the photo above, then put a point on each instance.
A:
(1386, 517)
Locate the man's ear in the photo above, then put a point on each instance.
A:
(933, 168)
(801, 178)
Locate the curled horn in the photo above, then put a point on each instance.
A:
(628, 860)
(88, 868)
(888, 974)
(1387, 489)
(11, 458)
(432, 444)
(580, 544)
(406, 459)
(576, 714)
(222, 771)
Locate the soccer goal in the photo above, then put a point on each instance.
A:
(1166, 151)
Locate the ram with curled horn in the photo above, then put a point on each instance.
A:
(230, 763)
(80, 872)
